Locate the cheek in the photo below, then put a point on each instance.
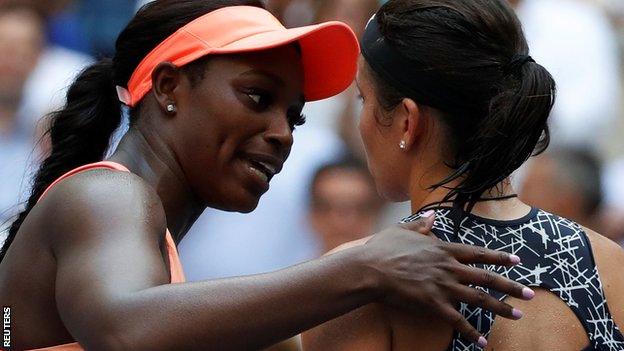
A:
(212, 136)
(376, 147)
(367, 131)
(383, 157)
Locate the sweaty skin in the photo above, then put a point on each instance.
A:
(548, 323)
(89, 262)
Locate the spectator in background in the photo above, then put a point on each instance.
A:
(344, 205)
(102, 22)
(575, 41)
(21, 35)
(339, 113)
(355, 13)
(566, 182)
(33, 78)
(278, 7)
(56, 67)
(613, 213)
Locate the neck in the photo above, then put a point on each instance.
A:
(147, 155)
(503, 209)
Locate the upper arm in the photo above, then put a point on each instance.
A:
(105, 233)
(364, 329)
(609, 258)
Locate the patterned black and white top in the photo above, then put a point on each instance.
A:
(556, 256)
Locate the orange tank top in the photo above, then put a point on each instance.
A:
(177, 274)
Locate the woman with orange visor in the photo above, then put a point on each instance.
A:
(215, 90)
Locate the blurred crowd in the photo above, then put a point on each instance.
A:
(325, 196)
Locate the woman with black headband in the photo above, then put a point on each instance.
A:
(215, 90)
(452, 105)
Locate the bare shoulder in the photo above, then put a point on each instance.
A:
(547, 313)
(609, 258)
(99, 198)
(603, 246)
(364, 329)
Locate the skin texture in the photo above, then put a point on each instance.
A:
(94, 252)
(377, 327)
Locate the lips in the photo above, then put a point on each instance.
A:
(264, 166)
(266, 172)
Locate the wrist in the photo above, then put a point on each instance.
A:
(366, 278)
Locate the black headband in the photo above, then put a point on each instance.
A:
(408, 77)
(414, 79)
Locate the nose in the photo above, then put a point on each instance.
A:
(280, 134)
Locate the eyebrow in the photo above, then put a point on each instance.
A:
(277, 80)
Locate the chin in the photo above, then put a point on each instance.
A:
(247, 209)
(243, 203)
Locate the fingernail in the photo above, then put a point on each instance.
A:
(514, 259)
(517, 314)
(428, 213)
(482, 342)
(528, 293)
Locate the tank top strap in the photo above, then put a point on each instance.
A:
(101, 164)
(175, 265)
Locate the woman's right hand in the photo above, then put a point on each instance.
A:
(421, 272)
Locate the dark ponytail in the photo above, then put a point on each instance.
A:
(80, 132)
(514, 129)
(492, 97)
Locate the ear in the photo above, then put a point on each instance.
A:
(411, 122)
(166, 79)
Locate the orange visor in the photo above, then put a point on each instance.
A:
(329, 50)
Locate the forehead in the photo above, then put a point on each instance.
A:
(20, 25)
(342, 178)
(283, 65)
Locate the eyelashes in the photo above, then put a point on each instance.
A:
(297, 121)
(262, 100)
(259, 98)
(255, 98)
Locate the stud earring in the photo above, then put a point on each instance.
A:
(171, 108)
(403, 145)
